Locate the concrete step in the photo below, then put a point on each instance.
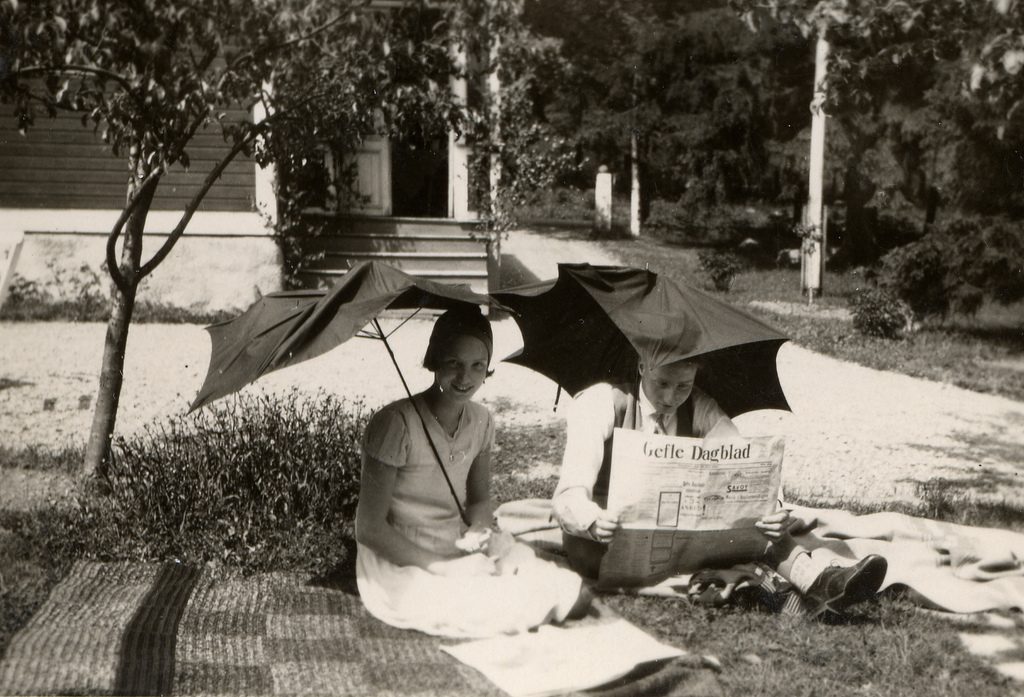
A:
(477, 280)
(355, 224)
(368, 243)
(410, 262)
(435, 248)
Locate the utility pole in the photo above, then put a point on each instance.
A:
(811, 250)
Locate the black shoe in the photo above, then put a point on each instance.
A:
(839, 587)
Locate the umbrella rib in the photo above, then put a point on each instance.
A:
(380, 335)
(402, 323)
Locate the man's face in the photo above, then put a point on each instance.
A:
(668, 386)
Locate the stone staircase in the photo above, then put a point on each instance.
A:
(438, 249)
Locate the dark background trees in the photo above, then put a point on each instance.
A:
(925, 126)
(723, 110)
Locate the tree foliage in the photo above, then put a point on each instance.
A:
(935, 82)
(704, 95)
(147, 75)
(505, 66)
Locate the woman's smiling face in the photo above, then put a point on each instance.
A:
(461, 367)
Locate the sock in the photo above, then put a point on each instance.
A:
(804, 570)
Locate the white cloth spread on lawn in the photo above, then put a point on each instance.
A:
(956, 568)
(556, 660)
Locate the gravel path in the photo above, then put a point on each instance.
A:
(854, 434)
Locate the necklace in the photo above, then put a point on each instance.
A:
(450, 430)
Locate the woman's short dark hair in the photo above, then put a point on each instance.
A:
(461, 321)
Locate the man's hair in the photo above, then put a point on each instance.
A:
(697, 361)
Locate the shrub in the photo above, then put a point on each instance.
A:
(954, 269)
(988, 260)
(897, 224)
(917, 273)
(76, 295)
(260, 482)
(80, 297)
(559, 203)
(66, 458)
(721, 267)
(877, 312)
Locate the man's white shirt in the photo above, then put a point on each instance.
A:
(589, 423)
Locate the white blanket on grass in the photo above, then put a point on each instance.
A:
(556, 660)
(956, 568)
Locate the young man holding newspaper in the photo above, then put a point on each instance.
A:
(669, 403)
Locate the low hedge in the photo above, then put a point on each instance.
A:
(258, 482)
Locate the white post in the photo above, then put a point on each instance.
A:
(12, 250)
(458, 151)
(634, 187)
(266, 197)
(811, 275)
(494, 88)
(603, 199)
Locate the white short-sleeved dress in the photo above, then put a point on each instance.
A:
(422, 509)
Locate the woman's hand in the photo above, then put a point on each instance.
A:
(468, 565)
(776, 525)
(474, 540)
(604, 527)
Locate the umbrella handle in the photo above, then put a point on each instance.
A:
(433, 447)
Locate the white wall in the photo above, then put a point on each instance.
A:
(224, 261)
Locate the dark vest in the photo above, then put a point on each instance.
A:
(627, 416)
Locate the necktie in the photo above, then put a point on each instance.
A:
(660, 421)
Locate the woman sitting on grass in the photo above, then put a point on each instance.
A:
(418, 566)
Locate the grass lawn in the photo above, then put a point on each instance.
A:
(886, 648)
(985, 354)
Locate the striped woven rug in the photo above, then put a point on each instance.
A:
(171, 629)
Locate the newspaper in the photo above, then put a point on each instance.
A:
(687, 504)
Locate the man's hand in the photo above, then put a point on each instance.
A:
(604, 526)
(776, 525)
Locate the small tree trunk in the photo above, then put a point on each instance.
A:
(111, 377)
(634, 184)
(97, 453)
(931, 207)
